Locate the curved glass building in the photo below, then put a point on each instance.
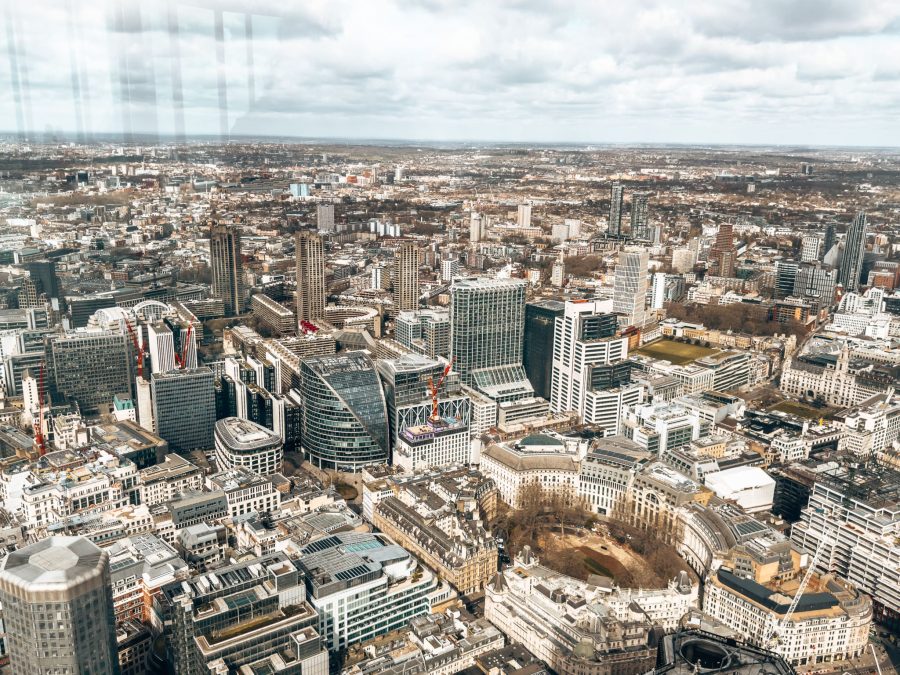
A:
(345, 421)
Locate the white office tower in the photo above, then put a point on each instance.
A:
(189, 350)
(683, 260)
(574, 227)
(161, 344)
(810, 247)
(630, 293)
(558, 273)
(584, 336)
(476, 231)
(144, 405)
(325, 218)
(449, 268)
(30, 401)
(658, 291)
(524, 216)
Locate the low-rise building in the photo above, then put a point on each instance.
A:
(245, 491)
(436, 443)
(578, 628)
(536, 459)
(163, 482)
(435, 644)
(439, 518)
(362, 586)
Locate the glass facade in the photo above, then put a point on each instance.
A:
(345, 420)
(184, 406)
(487, 324)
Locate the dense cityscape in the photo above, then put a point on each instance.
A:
(271, 407)
(440, 337)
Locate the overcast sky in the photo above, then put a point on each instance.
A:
(821, 72)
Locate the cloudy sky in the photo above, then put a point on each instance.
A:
(821, 72)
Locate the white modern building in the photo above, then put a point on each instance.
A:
(583, 336)
(242, 443)
(364, 585)
(433, 444)
(630, 292)
(748, 486)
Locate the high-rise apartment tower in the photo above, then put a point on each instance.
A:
(227, 274)
(310, 277)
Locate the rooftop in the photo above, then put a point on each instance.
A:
(55, 563)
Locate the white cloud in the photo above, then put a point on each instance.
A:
(754, 71)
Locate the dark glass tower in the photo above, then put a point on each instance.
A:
(537, 356)
(616, 197)
(640, 227)
(854, 248)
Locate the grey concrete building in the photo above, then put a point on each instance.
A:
(58, 609)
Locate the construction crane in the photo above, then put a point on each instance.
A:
(771, 638)
(39, 439)
(181, 359)
(137, 348)
(435, 388)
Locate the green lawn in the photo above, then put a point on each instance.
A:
(801, 410)
(678, 353)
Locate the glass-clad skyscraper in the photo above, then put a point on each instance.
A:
(487, 331)
(854, 249)
(345, 421)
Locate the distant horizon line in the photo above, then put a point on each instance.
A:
(167, 138)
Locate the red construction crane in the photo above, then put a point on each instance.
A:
(181, 360)
(137, 348)
(39, 439)
(435, 388)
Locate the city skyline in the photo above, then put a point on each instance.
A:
(770, 74)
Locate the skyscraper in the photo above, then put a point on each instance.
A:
(161, 343)
(584, 336)
(449, 268)
(184, 407)
(475, 227)
(640, 227)
(227, 272)
(344, 418)
(854, 248)
(828, 244)
(540, 321)
(310, 277)
(325, 217)
(630, 291)
(58, 609)
(722, 253)
(487, 328)
(616, 197)
(89, 367)
(658, 291)
(406, 285)
(523, 218)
